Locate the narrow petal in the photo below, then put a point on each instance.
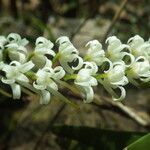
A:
(58, 73)
(89, 94)
(26, 67)
(22, 78)
(80, 63)
(131, 57)
(7, 81)
(39, 87)
(16, 89)
(45, 97)
(122, 95)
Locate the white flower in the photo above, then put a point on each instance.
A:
(95, 52)
(140, 69)
(44, 46)
(16, 43)
(115, 50)
(15, 73)
(16, 47)
(139, 47)
(3, 41)
(115, 79)
(45, 80)
(85, 80)
(68, 54)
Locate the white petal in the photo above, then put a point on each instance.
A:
(62, 39)
(122, 96)
(26, 67)
(80, 63)
(22, 78)
(89, 94)
(110, 65)
(16, 89)
(22, 57)
(91, 66)
(93, 81)
(48, 63)
(13, 37)
(8, 81)
(132, 58)
(53, 85)
(1, 65)
(39, 87)
(16, 63)
(58, 73)
(45, 97)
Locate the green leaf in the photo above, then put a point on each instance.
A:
(97, 138)
(141, 144)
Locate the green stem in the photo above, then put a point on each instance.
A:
(5, 93)
(70, 77)
(56, 58)
(87, 58)
(99, 76)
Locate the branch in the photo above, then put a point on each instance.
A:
(115, 19)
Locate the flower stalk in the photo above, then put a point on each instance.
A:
(43, 70)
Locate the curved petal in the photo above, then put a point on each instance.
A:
(39, 87)
(89, 94)
(16, 89)
(122, 95)
(8, 81)
(132, 58)
(13, 37)
(80, 63)
(48, 63)
(58, 73)
(91, 66)
(26, 67)
(110, 65)
(62, 39)
(93, 81)
(22, 78)
(16, 63)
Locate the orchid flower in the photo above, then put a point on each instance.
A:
(95, 52)
(115, 79)
(15, 73)
(16, 47)
(43, 47)
(68, 54)
(3, 41)
(46, 79)
(115, 50)
(85, 80)
(139, 47)
(140, 69)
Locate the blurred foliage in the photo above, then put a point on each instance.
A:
(96, 138)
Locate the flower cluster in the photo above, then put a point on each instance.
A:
(44, 68)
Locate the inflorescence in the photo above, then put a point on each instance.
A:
(43, 69)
